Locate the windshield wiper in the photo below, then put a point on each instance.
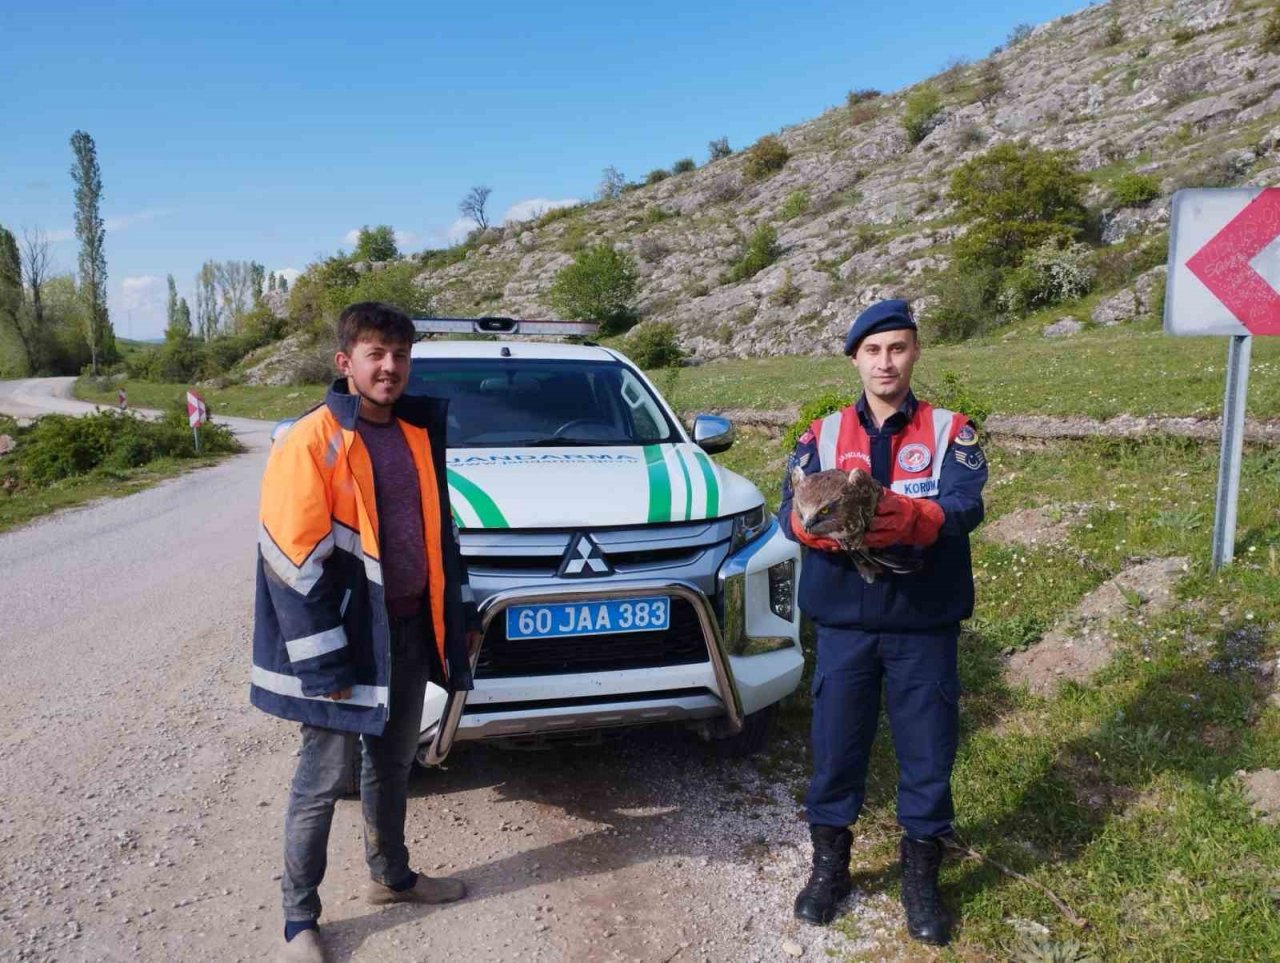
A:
(567, 442)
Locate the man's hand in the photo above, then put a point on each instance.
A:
(900, 520)
(819, 542)
(341, 695)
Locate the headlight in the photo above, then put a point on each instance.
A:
(749, 526)
(782, 579)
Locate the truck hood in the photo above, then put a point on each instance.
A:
(493, 488)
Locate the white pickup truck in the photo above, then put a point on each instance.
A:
(622, 576)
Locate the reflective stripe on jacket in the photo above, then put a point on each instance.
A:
(921, 452)
(321, 621)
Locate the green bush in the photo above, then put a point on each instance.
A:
(655, 175)
(765, 157)
(1052, 273)
(1271, 32)
(954, 395)
(819, 407)
(797, 203)
(860, 96)
(59, 446)
(557, 213)
(683, 165)
(762, 250)
(1019, 33)
(1018, 197)
(654, 345)
(1132, 189)
(718, 149)
(922, 106)
(961, 303)
(599, 285)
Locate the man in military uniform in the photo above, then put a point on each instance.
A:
(899, 631)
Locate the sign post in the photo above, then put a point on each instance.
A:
(1224, 260)
(197, 415)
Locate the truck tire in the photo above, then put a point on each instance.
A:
(757, 729)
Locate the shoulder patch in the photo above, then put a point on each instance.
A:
(967, 436)
(806, 437)
(973, 458)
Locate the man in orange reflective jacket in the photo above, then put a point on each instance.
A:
(361, 601)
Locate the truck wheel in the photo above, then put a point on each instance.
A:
(757, 729)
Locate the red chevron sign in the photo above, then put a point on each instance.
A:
(1223, 265)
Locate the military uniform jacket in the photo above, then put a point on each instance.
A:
(920, 452)
(321, 621)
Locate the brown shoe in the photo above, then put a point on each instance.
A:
(303, 948)
(424, 890)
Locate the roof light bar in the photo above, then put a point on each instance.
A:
(506, 326)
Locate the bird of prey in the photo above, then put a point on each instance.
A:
(838, 505)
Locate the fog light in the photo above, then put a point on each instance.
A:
(782, 578)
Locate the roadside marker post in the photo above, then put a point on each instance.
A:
(1224, 264)
(197, 415)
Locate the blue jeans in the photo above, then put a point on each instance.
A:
(327, 758)
(921, 690)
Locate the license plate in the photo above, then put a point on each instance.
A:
(607, 616)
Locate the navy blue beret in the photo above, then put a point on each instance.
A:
(893, 315)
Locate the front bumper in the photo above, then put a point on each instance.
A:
(728, 685)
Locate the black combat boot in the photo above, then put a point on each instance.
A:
(927, 919)
(829, 882)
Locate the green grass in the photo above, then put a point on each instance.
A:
(1099, 373)
(1119, 796)
(30, 504)
(269, 403)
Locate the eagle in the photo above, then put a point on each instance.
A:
(839, 505)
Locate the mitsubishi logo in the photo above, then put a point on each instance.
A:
(583, 559)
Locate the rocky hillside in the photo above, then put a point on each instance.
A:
(1185, 91)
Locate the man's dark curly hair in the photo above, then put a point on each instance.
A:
(365, 318)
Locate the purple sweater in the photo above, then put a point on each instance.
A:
(402, 543)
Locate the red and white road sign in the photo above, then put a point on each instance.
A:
(1224, 262)
(197, 413)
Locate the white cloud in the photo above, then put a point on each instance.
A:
(352, 237)
(113, 224)
(139, 305)
(534, 207)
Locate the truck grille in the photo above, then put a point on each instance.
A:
(681, 644)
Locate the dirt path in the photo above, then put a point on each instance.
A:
(142, 798)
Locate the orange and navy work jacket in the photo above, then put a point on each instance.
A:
(321, 620)
(920, 452)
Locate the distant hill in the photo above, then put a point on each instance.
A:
(1185, 92)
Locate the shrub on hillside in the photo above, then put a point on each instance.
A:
(922, 106)
(765, 157)
(598, 286)
(1270, 42)
(1018, 34)
(860, 96)
(325, 288)
(762, 250)
(813, 409)
(1133, 189)
(654, 345)
(797, 203)
(718, 149)
(724, 188)
(1017, 197)
(655, 175)
(1052, 273)
(961, 303)
(683, 166)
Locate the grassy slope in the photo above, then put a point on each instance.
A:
(242, 401)
(1118, 796)
(30, 504)
(1099, 373)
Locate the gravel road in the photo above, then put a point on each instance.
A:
(142, 795)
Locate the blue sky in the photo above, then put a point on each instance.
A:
(269, 131)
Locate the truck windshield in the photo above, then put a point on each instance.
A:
(506, 402)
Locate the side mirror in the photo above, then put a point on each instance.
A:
(712, 433)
